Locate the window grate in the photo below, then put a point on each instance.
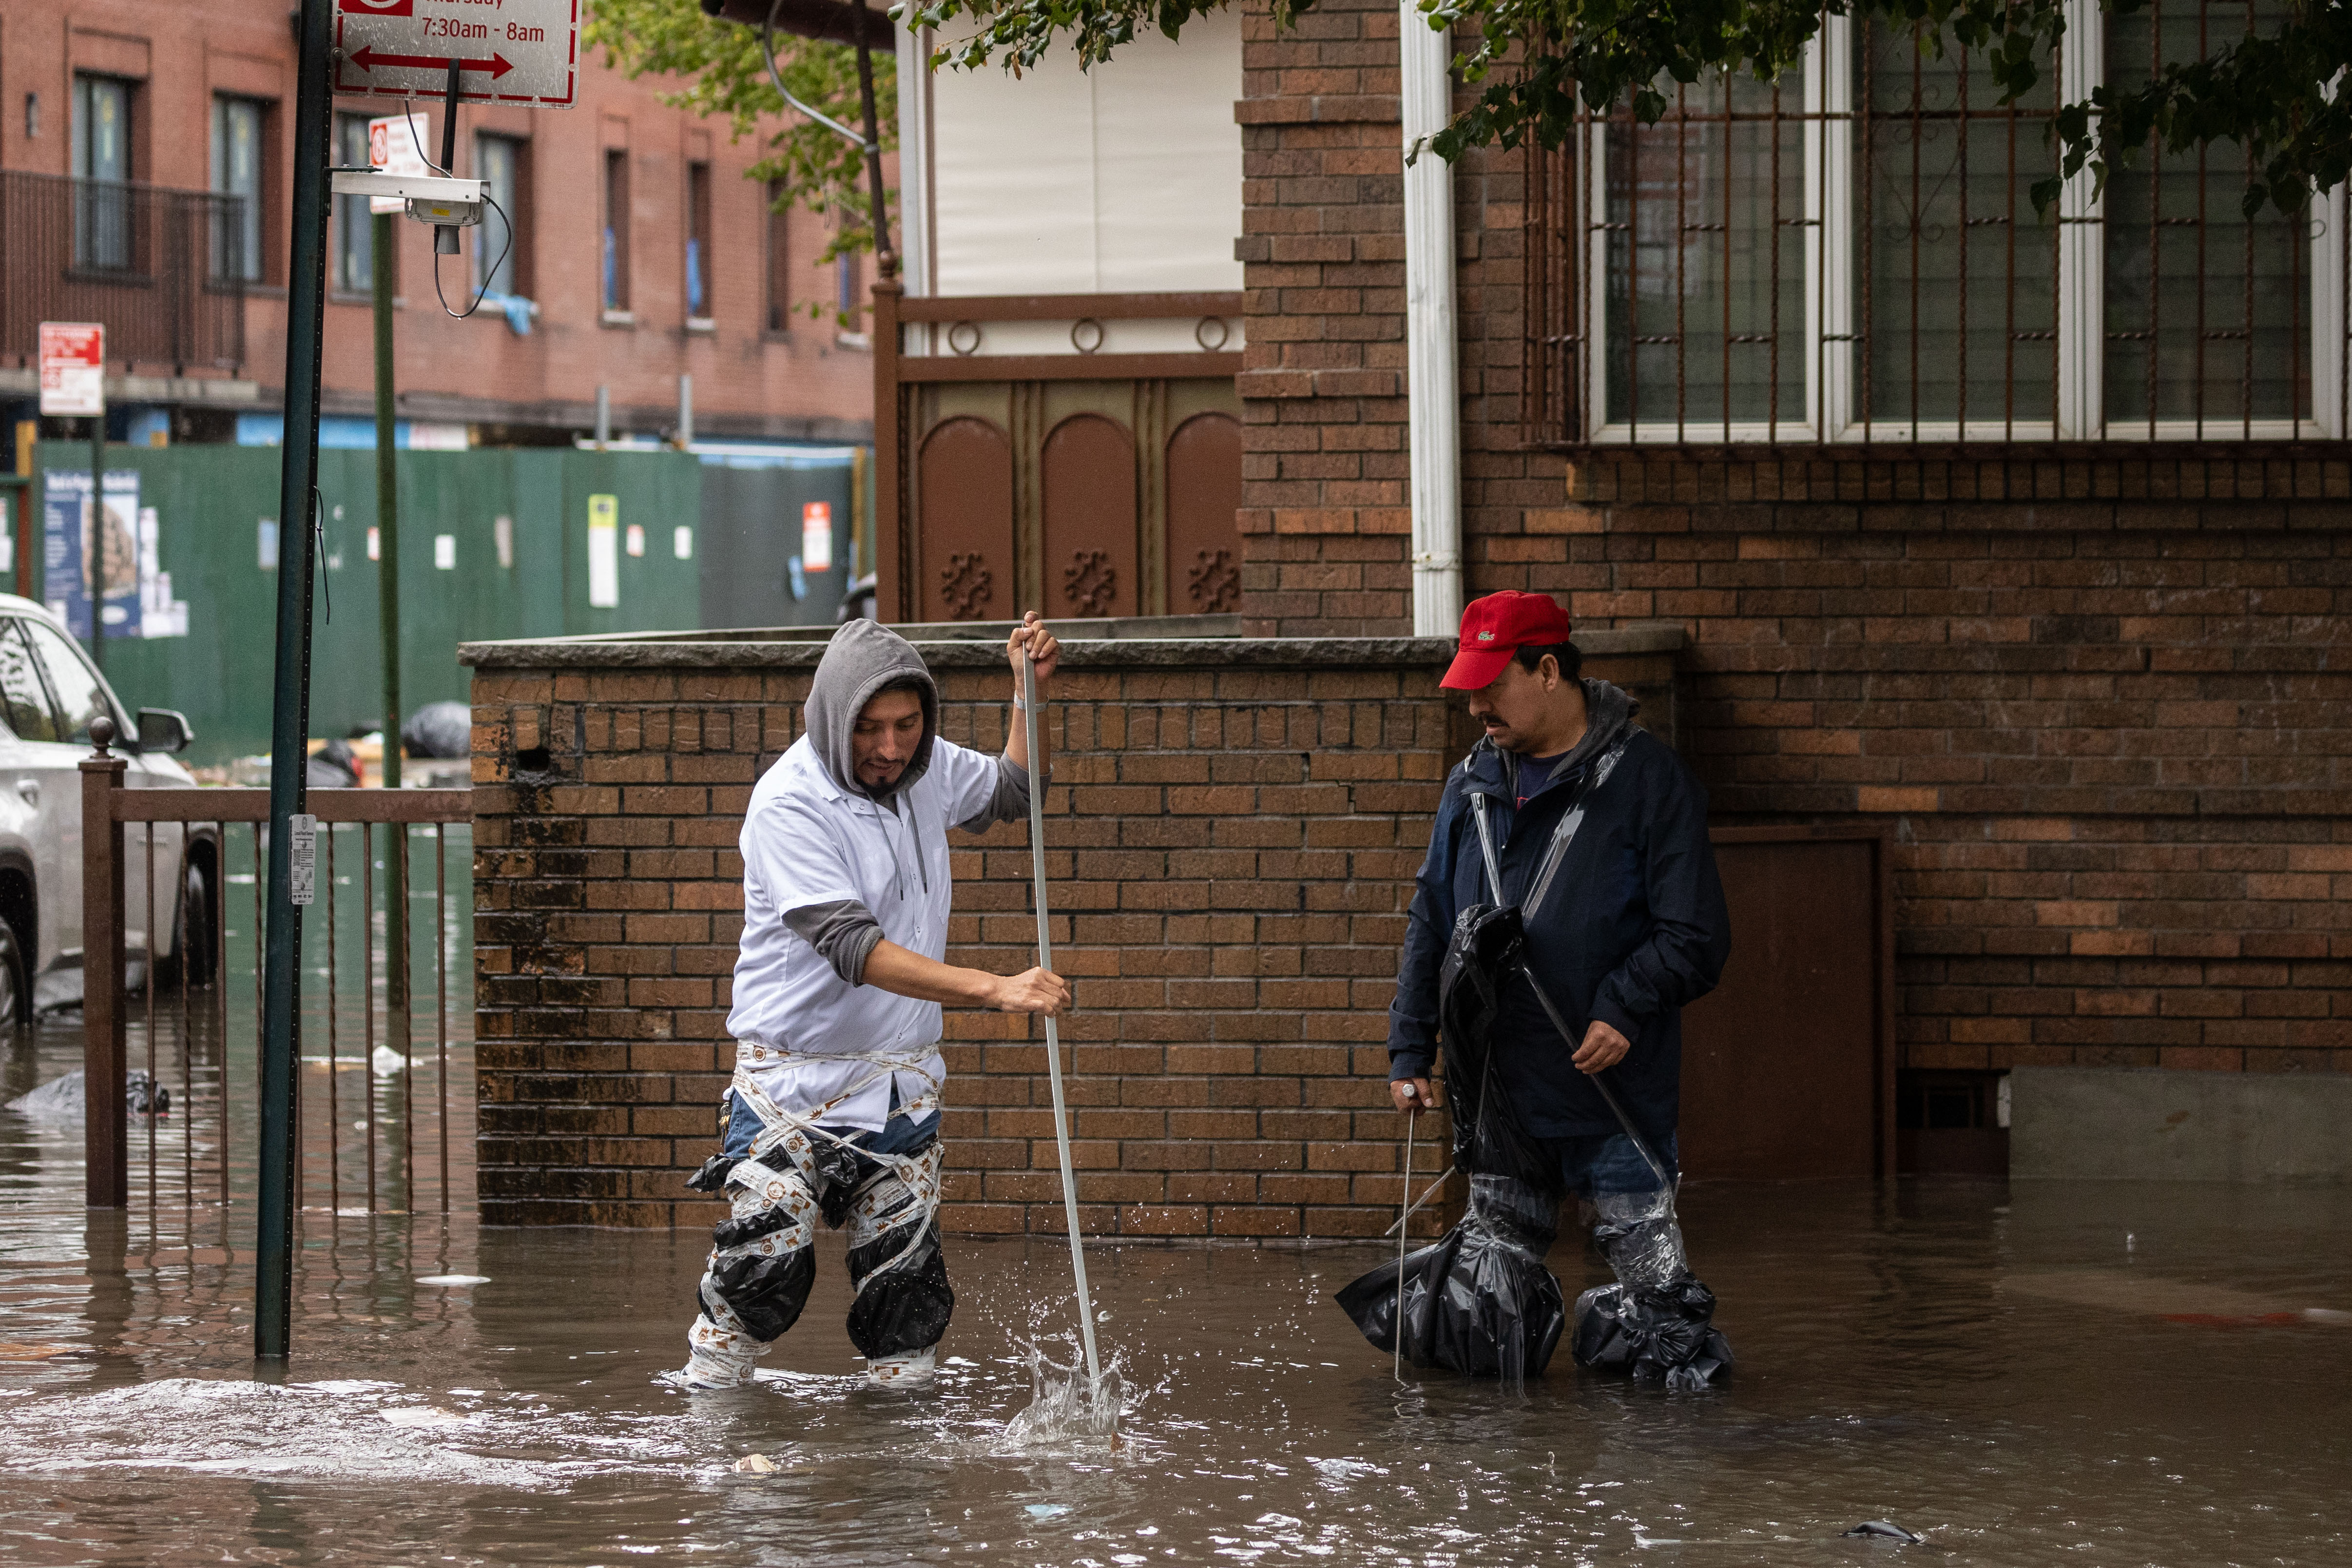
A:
(1850, 256)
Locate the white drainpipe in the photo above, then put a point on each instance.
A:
(1434, 401)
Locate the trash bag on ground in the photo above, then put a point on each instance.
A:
(439, 730)
(1479, 1302)
(333, 766)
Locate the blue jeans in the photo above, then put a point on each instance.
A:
(1606, 1165)
(899, 1135)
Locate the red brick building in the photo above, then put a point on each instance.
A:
(198, 96)
(2059, 595)
(2020, 535)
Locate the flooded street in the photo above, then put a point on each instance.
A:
(2110, 1374)
(2114, 1373)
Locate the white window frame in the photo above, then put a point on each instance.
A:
(1832, 388)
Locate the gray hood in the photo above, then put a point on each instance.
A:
(1608, 713)
(863, 657)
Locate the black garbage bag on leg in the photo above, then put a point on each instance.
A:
(1480, 1300)
(1656, 1323)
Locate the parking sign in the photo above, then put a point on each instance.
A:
(73, 369)
(513, 51)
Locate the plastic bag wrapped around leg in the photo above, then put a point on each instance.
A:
(895, 1265)
(1480, 1300)
(1657, 1322)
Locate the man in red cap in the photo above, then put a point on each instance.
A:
(1595, 833)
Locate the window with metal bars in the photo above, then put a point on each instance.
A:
(1852, 255)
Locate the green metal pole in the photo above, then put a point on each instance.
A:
(298, 473)
(94, 549)
(387, 576)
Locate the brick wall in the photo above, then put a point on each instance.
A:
(2106, 705)
(2102, 701)
(1233, 836)
(1232, 831)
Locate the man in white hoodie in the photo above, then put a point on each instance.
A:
(834, 1106)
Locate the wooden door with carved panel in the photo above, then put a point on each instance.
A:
(1088, 469)
(1082, 498)
(964, 567)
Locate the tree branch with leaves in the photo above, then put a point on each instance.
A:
(724, 74)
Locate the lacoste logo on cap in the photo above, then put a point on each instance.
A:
(1486, 636)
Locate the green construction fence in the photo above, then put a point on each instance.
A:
(493, 544)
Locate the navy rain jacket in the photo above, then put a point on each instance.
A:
(1634, 928)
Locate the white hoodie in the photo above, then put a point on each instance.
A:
(829, 870)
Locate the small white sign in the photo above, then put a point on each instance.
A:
(73, 369)
(396, 146)
(512, 51)
(681, 542)
(445, 552)
(603, 552)
(302, 838)
(635, 538)
(266, 534)
(816, 536)
(375, 545)
(503, 538)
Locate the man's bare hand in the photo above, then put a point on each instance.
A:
(1043, 646)
(1413, 1094)
(1603, 1047)
(1034, 990)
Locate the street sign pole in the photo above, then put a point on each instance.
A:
(73, 386)
(387, 576)
(306, 290)
(96, 553)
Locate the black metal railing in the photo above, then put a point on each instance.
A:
(165, 270)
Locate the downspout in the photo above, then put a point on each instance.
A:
(1433, 403)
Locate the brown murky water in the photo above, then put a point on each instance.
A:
(2105, 1374)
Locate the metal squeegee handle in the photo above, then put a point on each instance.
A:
(1053, 1034)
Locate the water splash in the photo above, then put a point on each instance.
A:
(1064, 1408)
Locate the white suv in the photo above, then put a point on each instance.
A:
(49, 692)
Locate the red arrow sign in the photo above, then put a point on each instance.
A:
(367, 59)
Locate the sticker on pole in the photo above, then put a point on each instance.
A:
(73, 369)
(396, 146)
(507, 51)
(816, 535)
(302, 838)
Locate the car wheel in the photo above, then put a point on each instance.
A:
(16, 995)
(197, 947)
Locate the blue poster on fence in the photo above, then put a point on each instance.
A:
(69, 559)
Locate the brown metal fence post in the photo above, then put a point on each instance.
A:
(105, 1123)
(894, 598)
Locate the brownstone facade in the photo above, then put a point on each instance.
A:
(1232, 831)
(752, 375)
(2100, 693)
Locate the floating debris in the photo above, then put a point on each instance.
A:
(453, 1279)
(1880, 1530)
(756, 1465)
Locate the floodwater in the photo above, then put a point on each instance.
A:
(2107, 1374)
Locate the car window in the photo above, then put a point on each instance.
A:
(79, 696)
(21, 692)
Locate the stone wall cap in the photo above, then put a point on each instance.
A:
(977, 646)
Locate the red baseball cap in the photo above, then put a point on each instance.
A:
(1495, 627)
